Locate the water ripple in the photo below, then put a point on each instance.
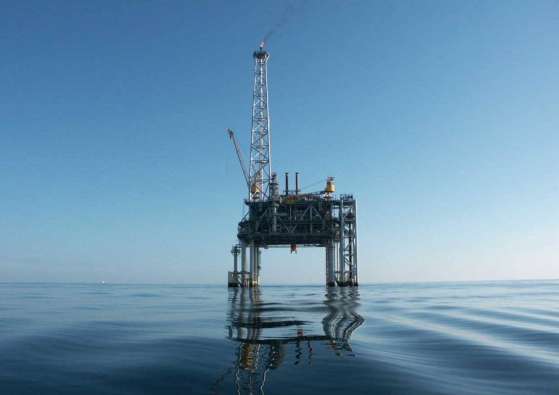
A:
(462, 338)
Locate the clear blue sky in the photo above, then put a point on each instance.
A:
(442, 117)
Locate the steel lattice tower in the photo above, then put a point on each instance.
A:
(260, 169)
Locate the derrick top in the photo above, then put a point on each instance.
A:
(261, 53)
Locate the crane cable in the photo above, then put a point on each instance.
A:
(313, 184)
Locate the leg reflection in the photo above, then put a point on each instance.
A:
(265, 331)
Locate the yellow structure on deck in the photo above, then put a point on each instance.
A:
(330, 185)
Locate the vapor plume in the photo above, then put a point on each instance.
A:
(288, 12)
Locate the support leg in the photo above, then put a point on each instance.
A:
(244, 268)
(258, 265)
(254, 265)
(330, 270)
(341, 259)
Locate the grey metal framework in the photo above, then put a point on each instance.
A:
(309, 220)
(260, 170)
(319, 219)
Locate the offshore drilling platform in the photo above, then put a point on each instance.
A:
(289, 218)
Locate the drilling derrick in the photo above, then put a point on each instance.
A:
(260, 170)
(292, 219)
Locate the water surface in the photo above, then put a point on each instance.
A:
(440, 338)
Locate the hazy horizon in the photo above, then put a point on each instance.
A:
(272, 284)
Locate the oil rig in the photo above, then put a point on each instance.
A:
(287, 218)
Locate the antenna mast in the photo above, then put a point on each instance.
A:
(260, 170)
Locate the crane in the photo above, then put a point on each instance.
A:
(240, 156)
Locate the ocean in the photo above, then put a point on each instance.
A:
(432, 338)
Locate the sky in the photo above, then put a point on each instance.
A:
(441, 117)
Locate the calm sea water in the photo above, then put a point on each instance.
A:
(464, 338)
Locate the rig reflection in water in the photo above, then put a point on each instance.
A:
(268, 331)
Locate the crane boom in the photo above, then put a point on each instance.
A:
(240, 156)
